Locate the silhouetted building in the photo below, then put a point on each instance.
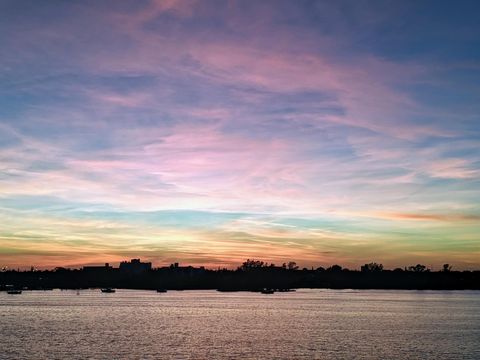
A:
(97, 269)
(135, 266)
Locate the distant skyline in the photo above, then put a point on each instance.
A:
(209, 132)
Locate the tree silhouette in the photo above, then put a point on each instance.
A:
(335, 268)
(292, 265)
(446, 268)
(418, 268)
(250, 265)
(372, 267)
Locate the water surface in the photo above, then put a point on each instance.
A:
(307, 324)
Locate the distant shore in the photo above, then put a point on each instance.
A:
(251, 276)
(274, 291)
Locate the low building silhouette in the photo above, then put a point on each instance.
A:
(135, 266)
(97, 269)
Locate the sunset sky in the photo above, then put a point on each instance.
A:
(209, 132)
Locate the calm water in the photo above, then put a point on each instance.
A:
(307, 324)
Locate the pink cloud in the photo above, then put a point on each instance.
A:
(125, 100)
(451, 169)
(155, 8)
(429, 217)
(365, 87)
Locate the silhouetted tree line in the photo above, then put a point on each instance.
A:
(251, 275)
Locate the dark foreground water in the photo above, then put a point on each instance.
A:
(307, 324)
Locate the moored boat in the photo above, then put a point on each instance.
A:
(228, 290)
(14, 292)
(267, 291)
(108, 290)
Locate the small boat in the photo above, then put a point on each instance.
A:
(161, 290)
(14, 292)
(108, 290)
(267, 291)
(227, 290)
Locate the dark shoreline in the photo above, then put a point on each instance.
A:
(237, 291)
(190, 278)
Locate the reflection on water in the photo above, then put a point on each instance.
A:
(307, 324)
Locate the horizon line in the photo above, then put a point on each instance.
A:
(27, 268)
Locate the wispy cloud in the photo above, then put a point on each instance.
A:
(431, 217)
